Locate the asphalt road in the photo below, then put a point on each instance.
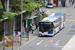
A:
(60, 39)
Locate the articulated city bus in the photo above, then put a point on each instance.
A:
(52, 24)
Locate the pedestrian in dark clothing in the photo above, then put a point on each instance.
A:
(30, 26)
(36, 25)
(72, 3)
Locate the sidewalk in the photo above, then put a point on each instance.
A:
(70, 45)
(1, 45)
(24, 41)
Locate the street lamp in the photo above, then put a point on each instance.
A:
(21, 18)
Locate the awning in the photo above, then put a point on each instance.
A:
(32, 17)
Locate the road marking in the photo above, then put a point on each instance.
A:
(70, 20)
(51, 41)
(26, 43)
(70, 45)
(66, 19)
(73, 20)
(40, 42)
(57, 43)
(45, 45)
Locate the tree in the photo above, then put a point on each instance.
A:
(10, 16)
(15, 2)
(1, 10)
(2, 1)
(1, 31)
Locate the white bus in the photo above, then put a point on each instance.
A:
(51, 25)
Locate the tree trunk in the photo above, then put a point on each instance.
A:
(10, 28)
(3, 4)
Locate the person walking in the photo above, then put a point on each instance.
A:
(72, 2)
(24, 34)
(36, 25)
(30, 26)
(33, 28)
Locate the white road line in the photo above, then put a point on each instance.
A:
(45, 45)
(51, 41)
(57, 43)
(26, 43)
(40, 42)
(70, 45)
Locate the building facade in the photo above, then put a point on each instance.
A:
(64, 3)
(68, 3)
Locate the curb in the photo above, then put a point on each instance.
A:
(1, 42)
(26, 43)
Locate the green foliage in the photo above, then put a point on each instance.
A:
(27, 1)
(1, 34)
(44, 15)
(1, 13)
(15, 8)
(10, 16)
(1, 7)
(28, 8)
(18, 2)
(15, 2)
(37, 9)
(28, 5)
(31, 6)
(1, 31)
(39, 2)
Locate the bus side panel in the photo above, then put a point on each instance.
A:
(56, 29)
(57, 25)
(62, 22)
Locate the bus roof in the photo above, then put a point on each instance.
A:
(58, 15)
(52, 18)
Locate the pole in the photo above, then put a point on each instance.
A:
(26, 23)
(60, 5)
(27, 29)
(3, 44)
(60, 8)
(12, 44)
(21, 19)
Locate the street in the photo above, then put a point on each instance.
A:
(58, 41)
(23, 22)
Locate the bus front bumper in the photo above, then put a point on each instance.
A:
(41, 34)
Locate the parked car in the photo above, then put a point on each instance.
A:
(51, 5)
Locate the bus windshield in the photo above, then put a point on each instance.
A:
(46, 26)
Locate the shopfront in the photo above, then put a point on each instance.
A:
(56, 2)
(68, 2)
